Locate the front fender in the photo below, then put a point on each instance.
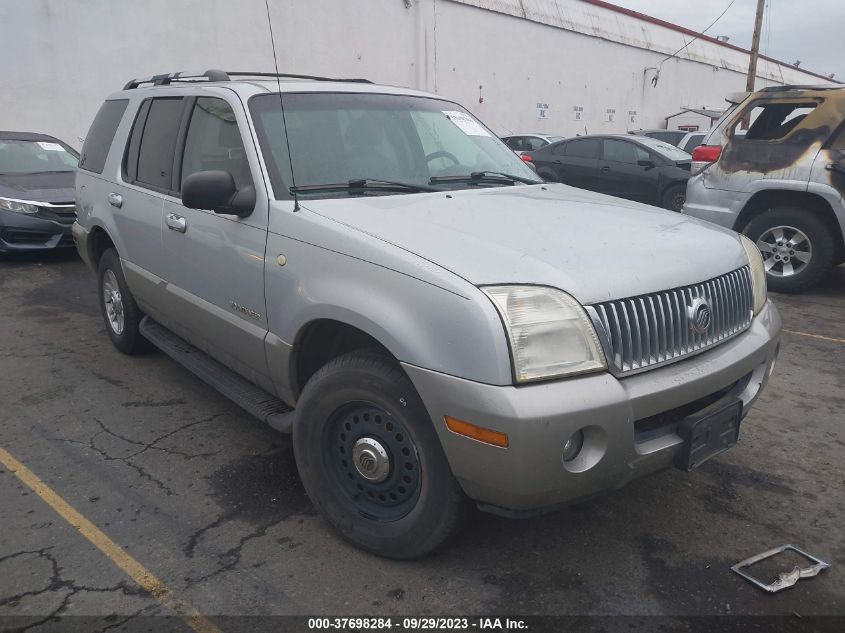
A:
(454, 331)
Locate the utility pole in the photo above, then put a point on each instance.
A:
(755, 47)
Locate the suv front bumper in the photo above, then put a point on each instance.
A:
(622, 440)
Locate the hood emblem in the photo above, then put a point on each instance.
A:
(700, 315)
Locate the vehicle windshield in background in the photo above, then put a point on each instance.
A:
(667, 150)
(32, 157)
(337, 139)
(555, 139)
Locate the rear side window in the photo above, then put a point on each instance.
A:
(586, 148)
(773, 121)
(214, 142)
(101, 134)
(158, 142)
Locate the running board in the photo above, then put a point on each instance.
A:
(239, 390)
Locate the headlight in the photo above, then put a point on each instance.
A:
(549, 332)
(758, 272)
(18, 206)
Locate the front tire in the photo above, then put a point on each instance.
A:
(121, 314)
(797, 248)
(370, 459)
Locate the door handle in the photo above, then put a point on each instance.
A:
(115, 199)
(606, 168)
(176, 223)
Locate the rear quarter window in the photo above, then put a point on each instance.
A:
(95, 149)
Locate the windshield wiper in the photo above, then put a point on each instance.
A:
(363, 184)
(485, 176)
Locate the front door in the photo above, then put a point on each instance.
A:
(214, 262)
(622, 175)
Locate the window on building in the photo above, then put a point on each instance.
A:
(214, 142)
(100, 136)
(773, 121)
(155, 154)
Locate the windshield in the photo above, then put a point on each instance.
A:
(335, 138)
(555, 139)
(667, 150)
(32, 157)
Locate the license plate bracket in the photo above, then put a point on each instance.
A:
(707, 434)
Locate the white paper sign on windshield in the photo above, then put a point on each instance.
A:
(466, 123)
(52, 147)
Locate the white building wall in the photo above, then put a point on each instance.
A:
(62, 57)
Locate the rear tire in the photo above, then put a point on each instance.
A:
(371, 461)
(674, 197)
(798, 249)
(120, 312)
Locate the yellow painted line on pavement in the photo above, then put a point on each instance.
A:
(115, 552)
(841, 341)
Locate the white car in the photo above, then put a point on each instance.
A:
(521, 143)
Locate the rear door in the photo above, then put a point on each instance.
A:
(145, 183)
(575, 163)
(620, 173)
(215, 262)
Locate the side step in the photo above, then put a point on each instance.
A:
(246, 395)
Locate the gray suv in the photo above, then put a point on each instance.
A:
(781, 182)
(370, 269)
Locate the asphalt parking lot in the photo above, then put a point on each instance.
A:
(208, 500)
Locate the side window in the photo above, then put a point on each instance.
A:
(512, 142)
(623, 152)
(585, 148)
(773, 121)
(101, 134)
(158, 142)
(559, 149)
(214, 142)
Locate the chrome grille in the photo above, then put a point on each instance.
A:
(649, 330)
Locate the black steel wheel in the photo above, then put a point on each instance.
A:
(374, 460)
(370, 458)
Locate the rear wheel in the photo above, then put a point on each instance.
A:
(797, 248)
(674, 197)
(371, 461)
(120, 312)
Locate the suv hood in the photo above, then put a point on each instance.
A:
(52, 187)
(593, 246)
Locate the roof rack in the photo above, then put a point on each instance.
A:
(222, 75)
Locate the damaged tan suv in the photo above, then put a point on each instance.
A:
(781, 183)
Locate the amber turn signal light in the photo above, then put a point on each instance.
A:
(474, 432)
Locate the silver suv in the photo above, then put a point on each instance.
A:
(370, 268)
(781, 182)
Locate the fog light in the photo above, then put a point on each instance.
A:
(573, 446)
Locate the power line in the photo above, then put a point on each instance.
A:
(712, 24)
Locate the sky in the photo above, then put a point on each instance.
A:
(806, 30)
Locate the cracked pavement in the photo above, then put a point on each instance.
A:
(209, 500)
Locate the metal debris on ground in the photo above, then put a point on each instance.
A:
(785, 579)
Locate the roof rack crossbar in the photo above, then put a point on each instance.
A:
(221, 75)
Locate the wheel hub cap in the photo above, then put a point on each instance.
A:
(786, 251)
(371, 459)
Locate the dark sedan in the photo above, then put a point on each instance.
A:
(37, 207)
(634, 167)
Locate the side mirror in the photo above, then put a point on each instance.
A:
(216, 190)
(644, 162)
